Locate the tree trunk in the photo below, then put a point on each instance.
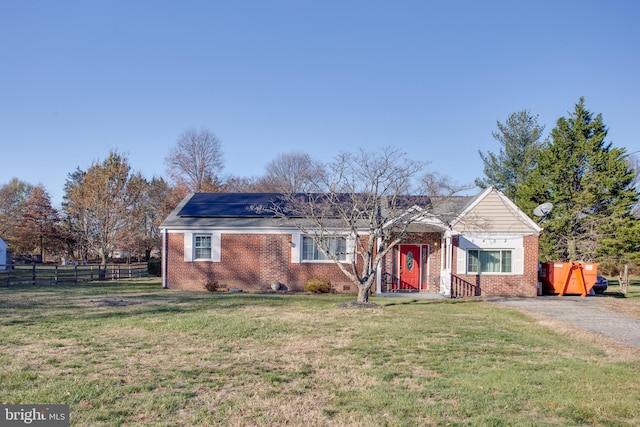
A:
(103, 258)
(363, 293)
(571, 250)
(623, 279)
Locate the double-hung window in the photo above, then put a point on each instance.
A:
(202, 246)
(489, 261)
(337, 246)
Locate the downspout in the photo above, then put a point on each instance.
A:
(163, 265)
(447, 254)
(379, 273)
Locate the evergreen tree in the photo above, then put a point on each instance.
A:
(520, 138)
(590, 184)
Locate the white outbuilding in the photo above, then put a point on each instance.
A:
(3, 254)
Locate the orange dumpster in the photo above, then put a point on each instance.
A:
(568, 278)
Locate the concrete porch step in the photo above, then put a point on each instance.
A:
(414, 295)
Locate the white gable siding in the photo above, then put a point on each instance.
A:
(494, 214)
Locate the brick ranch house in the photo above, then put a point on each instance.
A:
(472, 246)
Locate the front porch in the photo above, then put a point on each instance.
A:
(459, 288)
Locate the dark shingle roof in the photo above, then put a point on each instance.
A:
(450, 206)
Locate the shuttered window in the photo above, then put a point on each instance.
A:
(337, 246)
(489, 261)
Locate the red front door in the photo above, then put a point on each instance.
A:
(409, 267)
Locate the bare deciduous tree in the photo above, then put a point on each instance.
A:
(366, 194)
(195, 162)
(290, 173)
(237, 184)
(443, 194)
(133, 235)
(158, 204)
(75, 217)
(150, 207)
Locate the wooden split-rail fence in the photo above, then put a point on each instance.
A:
(45, 274)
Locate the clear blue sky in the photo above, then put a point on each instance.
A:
(80, 78)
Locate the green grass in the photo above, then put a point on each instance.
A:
(632, 293)
(129, 353)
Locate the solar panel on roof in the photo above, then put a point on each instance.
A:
(227, 204)
(243, 205)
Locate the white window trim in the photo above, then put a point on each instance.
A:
(491, 250)
(297, 251)
(487, 243)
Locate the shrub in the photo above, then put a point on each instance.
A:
(211, 285)
(317, 286)
(154, 267)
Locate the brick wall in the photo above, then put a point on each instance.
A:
(250, 262)
(525, 285)
(255, 261)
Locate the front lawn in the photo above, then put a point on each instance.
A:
(129, 353)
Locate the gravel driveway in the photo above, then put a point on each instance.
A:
(596, 314)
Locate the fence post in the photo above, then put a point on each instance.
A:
(33, 274)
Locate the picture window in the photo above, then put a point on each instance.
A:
(336, 246)
(489, 261)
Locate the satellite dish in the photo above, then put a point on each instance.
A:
(543, 209)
